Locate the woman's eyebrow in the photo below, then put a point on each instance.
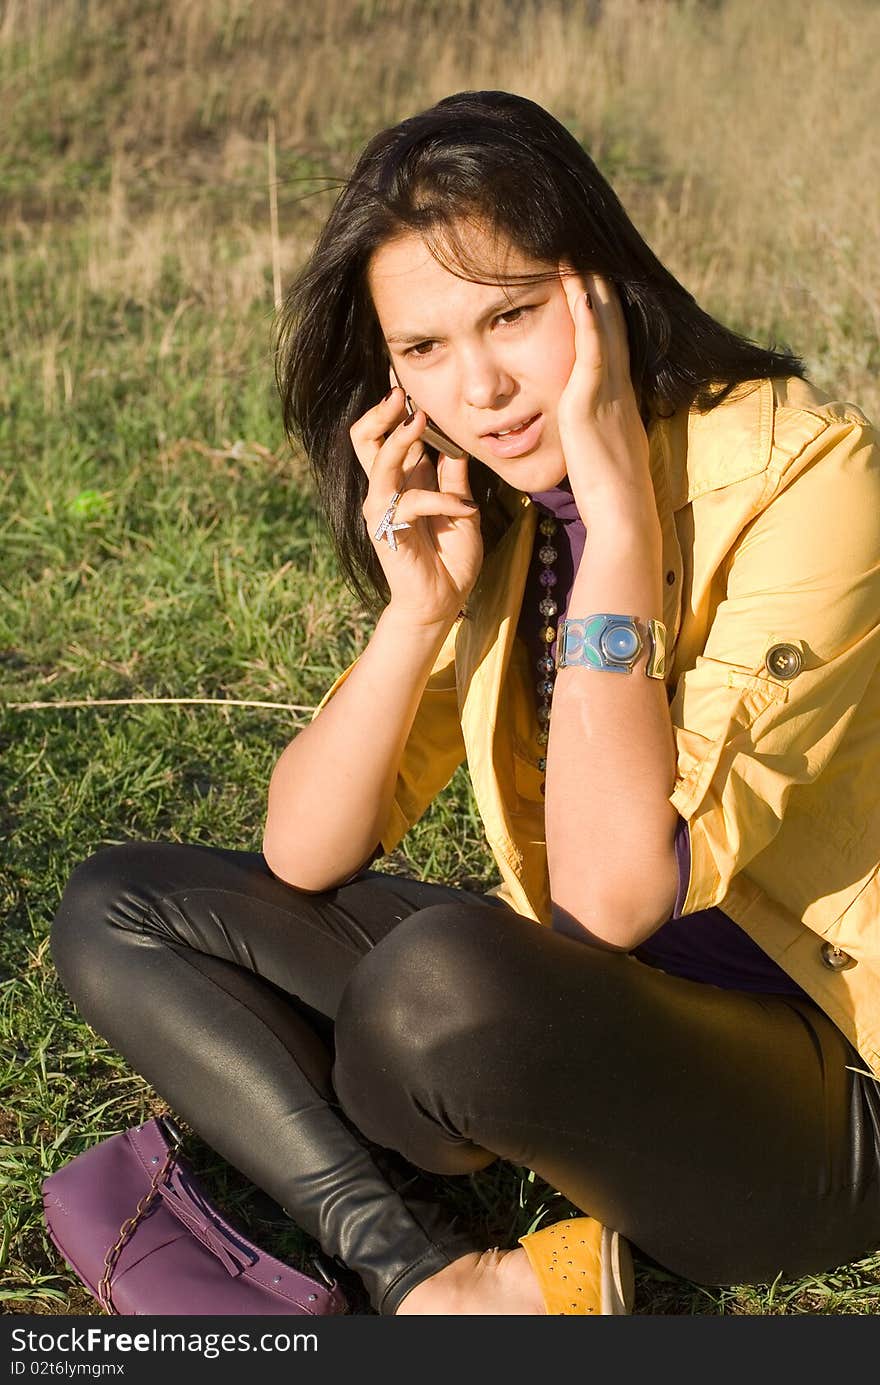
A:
(500, 305)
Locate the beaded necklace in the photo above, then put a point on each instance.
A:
(548, 608)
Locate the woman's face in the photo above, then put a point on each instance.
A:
(480, 358)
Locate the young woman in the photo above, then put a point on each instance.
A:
(636, 587)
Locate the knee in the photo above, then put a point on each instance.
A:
(424, 990)
(97, 895)
(96, 884)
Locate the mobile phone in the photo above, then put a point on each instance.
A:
(431, 434)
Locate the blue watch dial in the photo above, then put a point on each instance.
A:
(620, 642)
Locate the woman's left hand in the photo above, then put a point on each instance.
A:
(600, 429)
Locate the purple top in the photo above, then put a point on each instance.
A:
(706, 946)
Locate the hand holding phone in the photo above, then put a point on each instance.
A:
(436, 557)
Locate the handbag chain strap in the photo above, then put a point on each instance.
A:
(126, 1231)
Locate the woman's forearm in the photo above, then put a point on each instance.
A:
(332, 787)
(611, 752)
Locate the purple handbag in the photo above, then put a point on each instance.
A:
(132, 1221)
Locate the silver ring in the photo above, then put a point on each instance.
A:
(388, 527)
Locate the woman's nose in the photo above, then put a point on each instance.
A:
(485, 383)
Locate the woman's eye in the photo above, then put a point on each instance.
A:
(509, 319)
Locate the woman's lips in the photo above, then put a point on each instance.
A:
(515, 444)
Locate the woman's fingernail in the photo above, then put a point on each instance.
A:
(588, 300)
(465, 501)
(408, 420)
(388, 395)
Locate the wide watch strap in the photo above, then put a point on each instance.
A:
(612, 643)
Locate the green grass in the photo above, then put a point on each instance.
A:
(193, 574)
(159, 541)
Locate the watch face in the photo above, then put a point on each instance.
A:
(620, 643)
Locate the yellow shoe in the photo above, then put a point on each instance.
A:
(582, 1267)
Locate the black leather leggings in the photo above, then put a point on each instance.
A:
(332, 1046)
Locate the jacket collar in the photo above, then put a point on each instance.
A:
(702, 452)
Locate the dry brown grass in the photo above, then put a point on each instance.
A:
(738, 135)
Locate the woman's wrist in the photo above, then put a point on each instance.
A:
(621, 562)
(619, 513)
(411, 624)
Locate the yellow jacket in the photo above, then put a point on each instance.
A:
(770, 513)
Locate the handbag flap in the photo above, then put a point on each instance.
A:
(87, 1201)
(185, 1197)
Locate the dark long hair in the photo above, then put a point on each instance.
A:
(496, 159)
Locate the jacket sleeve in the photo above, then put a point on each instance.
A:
(804, 574)
(434, 748)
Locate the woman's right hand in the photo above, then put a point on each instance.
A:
(437, 559)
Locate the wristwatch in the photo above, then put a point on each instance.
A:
(613, 643)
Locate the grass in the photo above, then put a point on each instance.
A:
(159, 540)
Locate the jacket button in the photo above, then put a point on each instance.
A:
(784, 660)
(835, 958)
